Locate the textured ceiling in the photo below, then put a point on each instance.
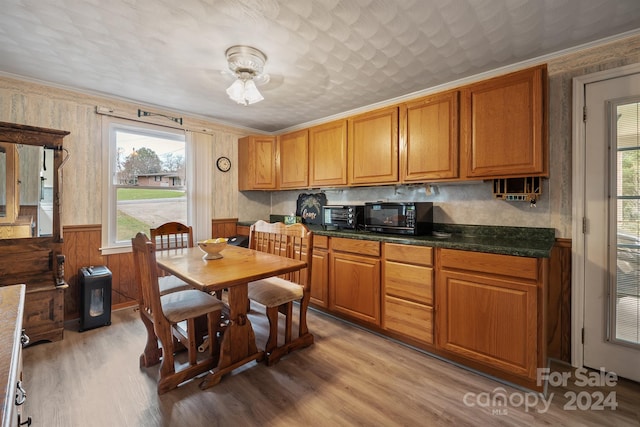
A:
(325, 56)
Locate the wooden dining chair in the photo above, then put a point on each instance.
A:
(277, 294)
(171, 235)
(168, 315)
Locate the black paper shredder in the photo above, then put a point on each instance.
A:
(95, 297)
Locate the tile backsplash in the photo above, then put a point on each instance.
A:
(460, 203)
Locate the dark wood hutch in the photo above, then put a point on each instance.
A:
(30, 254)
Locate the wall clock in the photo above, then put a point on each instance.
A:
(223, 164)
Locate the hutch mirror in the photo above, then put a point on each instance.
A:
(30, 193)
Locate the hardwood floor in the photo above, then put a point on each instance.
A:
(348, 377)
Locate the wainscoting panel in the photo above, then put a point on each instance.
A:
(82, 249)
(223, 227)
(559, 302)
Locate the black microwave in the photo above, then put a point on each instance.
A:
(342, 216)
(412, 218)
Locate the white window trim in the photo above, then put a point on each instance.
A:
(109, 246)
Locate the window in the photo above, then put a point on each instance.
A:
(626, 181)
(145, 180)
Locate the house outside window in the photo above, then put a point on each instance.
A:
(146, 180)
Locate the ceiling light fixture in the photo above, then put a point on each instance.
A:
(247, 65)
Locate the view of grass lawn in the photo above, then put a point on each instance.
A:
(128, 226)
(144, 193)
(137, 209)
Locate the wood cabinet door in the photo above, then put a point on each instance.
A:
(430, 138)
(257, 163)
(504, 126)
(354, 286)
(328, 154)
(373, 147)
(489, 320)
(293, 156)
(320, 272)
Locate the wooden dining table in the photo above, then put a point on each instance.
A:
(237, 267)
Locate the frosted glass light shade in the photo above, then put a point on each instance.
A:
(251, 93)
(236, 91)
(244, 92)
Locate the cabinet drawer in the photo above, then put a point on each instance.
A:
(410, 254)
(408, 318)
(408, 281)
(321, 242)
(360, 247)
(506, 265)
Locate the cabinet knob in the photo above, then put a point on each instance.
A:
(24, 338)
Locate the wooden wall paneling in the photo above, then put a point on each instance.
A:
(124, 290)
(224, 227)
(77, 248)
(559, 302)
(69, 249)
(82, 249)
(242, 230)
(117, 279)
(82, 243)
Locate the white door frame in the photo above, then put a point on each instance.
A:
(578, 202)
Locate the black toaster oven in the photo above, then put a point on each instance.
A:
(348, 217)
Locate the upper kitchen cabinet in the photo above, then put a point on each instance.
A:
(373, 147)
(328, 154)
(504, 126)
(430, 136)
(293, 154)
(257, 163)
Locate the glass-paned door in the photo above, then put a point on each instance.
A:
(624, 287)
(611, 226)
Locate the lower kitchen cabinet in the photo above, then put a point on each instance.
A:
(320, 272)
(481, 310)
(489, 310)
(354, 283)
(407, 283)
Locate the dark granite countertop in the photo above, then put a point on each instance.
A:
(533, 242)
